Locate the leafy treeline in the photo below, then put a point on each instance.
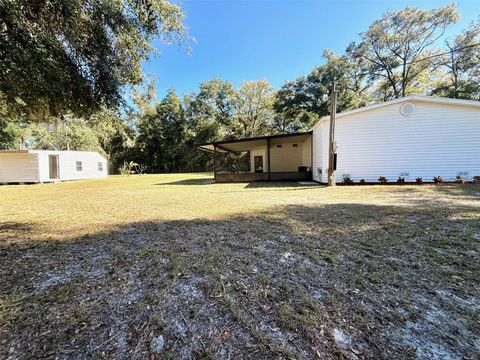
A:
(402, 53)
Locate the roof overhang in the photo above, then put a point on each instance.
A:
(247, 144)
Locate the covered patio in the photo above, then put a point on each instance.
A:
(265, 158)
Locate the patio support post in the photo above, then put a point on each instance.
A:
(215, 163)
(268, 158)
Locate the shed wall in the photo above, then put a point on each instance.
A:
(18, 167)
(67, 165)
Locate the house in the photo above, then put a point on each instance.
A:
(38, 166)
(410, 137)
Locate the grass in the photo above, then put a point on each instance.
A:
(101, 268)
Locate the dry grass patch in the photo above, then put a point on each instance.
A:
(172, 266)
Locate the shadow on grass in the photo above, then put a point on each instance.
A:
(252, 185)
(202, 181)
(277, 285)
(279, 185)
(15, 226)
(12, 231)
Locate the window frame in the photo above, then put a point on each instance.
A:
(77, 167)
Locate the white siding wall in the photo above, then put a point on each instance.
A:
(18, 167)
(436, 139)
(317, 152)
(67, 165)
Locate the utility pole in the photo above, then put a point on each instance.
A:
(331, 147)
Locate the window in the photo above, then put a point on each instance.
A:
(79, 166)
(100, 166)
(295, 145)
(279, 146)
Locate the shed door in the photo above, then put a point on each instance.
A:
(258, 162)
(53, 164)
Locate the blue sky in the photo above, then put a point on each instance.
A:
(276, 40)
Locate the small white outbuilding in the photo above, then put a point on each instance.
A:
(38, 166)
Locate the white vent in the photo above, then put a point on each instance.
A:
(407, 109)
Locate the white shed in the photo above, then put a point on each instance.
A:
(415, 136)
(37, 166)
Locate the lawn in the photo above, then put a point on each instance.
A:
(175, 267)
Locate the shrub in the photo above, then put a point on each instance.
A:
(123, 170)
(418, 180)
(347, 180)
(401, 180)
(128, 168)
(362, 181)
(476, 179)
(140, 168)
(438, 179)
(459, 179)
(382, 180)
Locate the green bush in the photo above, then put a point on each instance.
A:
(382, 180)
(128, 168)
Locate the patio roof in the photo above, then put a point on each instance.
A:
(251, 143)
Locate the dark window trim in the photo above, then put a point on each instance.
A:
(77, 163)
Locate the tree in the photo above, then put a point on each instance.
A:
(75, 56)
(462, 65)
(12, 136)
(254, 108)
(161, 136)
(211, 111)
(115, 137)
(398, 48)
(301, 102)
